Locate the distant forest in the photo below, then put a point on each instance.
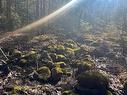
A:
(90, 16)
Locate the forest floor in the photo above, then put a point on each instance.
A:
(48, 63)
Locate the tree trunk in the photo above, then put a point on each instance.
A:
(8, 15)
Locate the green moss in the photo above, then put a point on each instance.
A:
(70, 51)
(60, 49)
(93, 81)
(30, 55)
(82, 66)
(61, 57)
(69, 92)
(57, 70)
(23, 62)
(88, 60)
(109, 93)
(60, 64)
(44, 73)
(69, 45)
(67, 71)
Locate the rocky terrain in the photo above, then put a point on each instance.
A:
(56, 64)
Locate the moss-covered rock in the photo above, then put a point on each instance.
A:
(82, 66)
(92, 83)
(43, 73)
(61, 57)
(60, 49)
(17, 53)
(60, 64)
(23, 62)
(69, 92)
(70, 51)
(67, 71)
(32, 54)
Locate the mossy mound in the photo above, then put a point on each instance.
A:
(92, 83)
(59, 49)
(23, 62)
(57, 57)
(16, 53)
(70, 51)
(60, 64)
(82, 65)
(43, 73)
(30, 55)
(61, 57)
